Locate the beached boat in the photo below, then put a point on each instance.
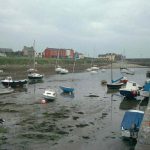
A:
(66, 89)
(131, 90)
(9, 82)
(130, 124)
(114, 84)
(32, 72)
(117, 85)
(50, 94)
(63, 71)
(58, 69)
(127, 71)
(35, 76)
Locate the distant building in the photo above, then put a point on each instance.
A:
(79, 55)
(5, 51)
(61, 53)
(28, 51)
(107, 57)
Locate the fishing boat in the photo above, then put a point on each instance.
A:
(131, 90)
(66, 89)
(50, 94)
(9, 82)
(130, 124)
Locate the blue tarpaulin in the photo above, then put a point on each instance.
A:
(132, 117)
(147, 87)
(113, 81)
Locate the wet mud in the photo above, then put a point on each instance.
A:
(88, 119)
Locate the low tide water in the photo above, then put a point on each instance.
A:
(79, 121)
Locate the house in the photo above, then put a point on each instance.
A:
(28, 51)
(108, 57)
(78, 55)
(61, 53)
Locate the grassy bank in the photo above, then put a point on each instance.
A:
(43, 61)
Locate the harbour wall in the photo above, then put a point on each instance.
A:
(143, 142)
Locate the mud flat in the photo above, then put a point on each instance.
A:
(88, 119)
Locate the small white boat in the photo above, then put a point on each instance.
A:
(35, 76)
(88, 69)
(94, 68)
(58, 69)
(63, 71)
(103, 70)
(127, 71)
(50, 94)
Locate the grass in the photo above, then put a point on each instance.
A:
(28, 61)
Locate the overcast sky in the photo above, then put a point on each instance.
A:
(89, 26)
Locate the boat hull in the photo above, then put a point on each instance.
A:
(35, 76)
(114, 86)
(14, 83)
(47, 97)
(128, 94)
(67, 89)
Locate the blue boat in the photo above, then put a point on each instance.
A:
(66, 89)
(131, 122)
(146, 89)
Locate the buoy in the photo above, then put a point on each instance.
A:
(43, 101)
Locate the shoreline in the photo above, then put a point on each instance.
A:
(20, 71)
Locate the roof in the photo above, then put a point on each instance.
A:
(28, 48)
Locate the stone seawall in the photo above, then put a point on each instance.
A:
(143, 142)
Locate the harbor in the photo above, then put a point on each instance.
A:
(90, 118)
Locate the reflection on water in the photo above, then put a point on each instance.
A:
(34, 81)
(111, 91)
(128, 104)
(67, 95)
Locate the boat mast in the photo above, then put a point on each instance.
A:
(34, 54)
(111, 68)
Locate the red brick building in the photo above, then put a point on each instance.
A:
(61, 53)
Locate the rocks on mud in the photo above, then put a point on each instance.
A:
(81, 125)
